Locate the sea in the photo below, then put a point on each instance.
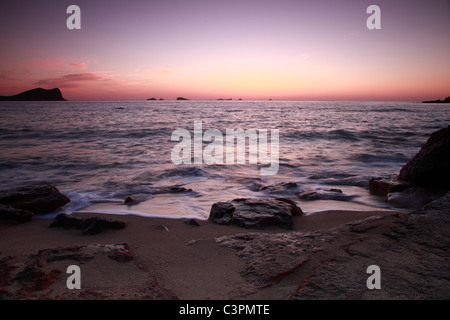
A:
(100, 153)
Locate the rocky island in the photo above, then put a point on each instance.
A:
(37, 94)
(446, 100)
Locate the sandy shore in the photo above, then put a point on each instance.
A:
(169, 258)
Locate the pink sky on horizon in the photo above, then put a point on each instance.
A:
(249, 49)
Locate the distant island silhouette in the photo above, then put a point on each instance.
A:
(446, 100)
(181, 98)
(37, 94)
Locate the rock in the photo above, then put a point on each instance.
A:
(89, 226)
(446, 100)
(37, 94)
(128, 199)
(295, 210)
(281, 188)
(254, 213)
(172, 189)
(42, 275)
(17, 215)
(191, 222)
(151, 99)
(332, 194)
(37, 199)
(385, 185)
(162, 227)
(411, 250)
(181, 98)
(431, 165)
(414, 197)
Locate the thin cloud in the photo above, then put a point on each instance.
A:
(81, 65)
(72, 80)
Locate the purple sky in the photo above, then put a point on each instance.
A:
(250, 49)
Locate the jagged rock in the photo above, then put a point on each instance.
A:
(431, 165)
(43, 275)
(254, 213)
(411, 250)
(37, 199)
(89, 226)
(17, 215)
(385, 185)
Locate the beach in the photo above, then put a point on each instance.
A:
(173, 259)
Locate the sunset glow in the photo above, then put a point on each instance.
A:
(289, 49)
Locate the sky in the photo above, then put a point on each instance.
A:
(210, 49)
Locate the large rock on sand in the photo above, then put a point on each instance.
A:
(422, 179)
(37, 199)
(14, 215)
(431, 166)
(255, 213)
(89, 226)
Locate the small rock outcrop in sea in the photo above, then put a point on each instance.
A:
(37, 94)
(446, 100)
(330, 194)
(38, 199)
(424, 178)
(89, 226)
(255, 213)
(181, 98)
(286, 188)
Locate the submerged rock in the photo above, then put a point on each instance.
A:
(255, 213)
(281, 188)
(331, 194)
(37, 199)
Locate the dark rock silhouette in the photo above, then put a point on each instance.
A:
(14, 215)
(255, 213)
(181, 98)
(152, 99)
(89, 226)
(424, 178)
(37, 94)
(431, 166)
(446, 100)
(37, 199)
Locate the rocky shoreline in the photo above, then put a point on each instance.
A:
(248, 249)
